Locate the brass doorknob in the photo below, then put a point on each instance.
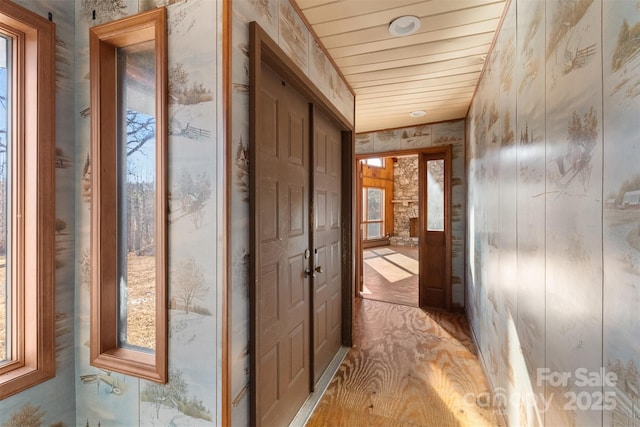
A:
(319, 269)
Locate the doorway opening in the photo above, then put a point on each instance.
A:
(389, 218)
(404, 233)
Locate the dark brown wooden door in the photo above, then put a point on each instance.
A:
(281, 215)
(435, 240)
(327, 302)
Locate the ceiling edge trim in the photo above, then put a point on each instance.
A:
(489, 53)
(413, 126)
(295, 6)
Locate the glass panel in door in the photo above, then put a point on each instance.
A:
(435, 195)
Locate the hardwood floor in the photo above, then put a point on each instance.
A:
(390, 273)
(407, 368)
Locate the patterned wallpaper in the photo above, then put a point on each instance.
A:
(81, 394)
(552, 251)
(53, 402)
(192, 395)
(431, 135)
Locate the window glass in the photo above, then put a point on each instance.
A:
(373, 205)
(374, 230)
(435, 195)
(376, 162)
(136, 196)
(5, 173)
(129, 197)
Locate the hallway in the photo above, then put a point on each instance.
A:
(407, 367)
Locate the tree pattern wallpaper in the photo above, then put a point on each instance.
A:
(432, 135)
(552, 253)
(621, 222)
(552, 225)
(191, 396)
(53, 403)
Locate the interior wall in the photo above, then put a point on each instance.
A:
(552, 270)
(195, 339)
(432, 135)
(53, 402)
(282, 23)
(196, 150)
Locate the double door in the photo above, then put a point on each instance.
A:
(296, 249)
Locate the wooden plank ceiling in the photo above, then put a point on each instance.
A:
(435, 70)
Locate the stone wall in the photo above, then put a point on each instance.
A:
(405, 201)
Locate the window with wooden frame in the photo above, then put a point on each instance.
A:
(27, 199)
(373, 212)
(374, 162)
(128, 60)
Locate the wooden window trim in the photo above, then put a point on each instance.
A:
(32, 359)
(382, 159)
(104, 40)
(365, 211)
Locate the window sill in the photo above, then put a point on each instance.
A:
(20, 379)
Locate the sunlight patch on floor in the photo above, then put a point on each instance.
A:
(391, 272)
(404, 261)
(383, 251)
(369, 254)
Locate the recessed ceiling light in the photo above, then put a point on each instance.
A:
(418, 113)
(404, 25)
